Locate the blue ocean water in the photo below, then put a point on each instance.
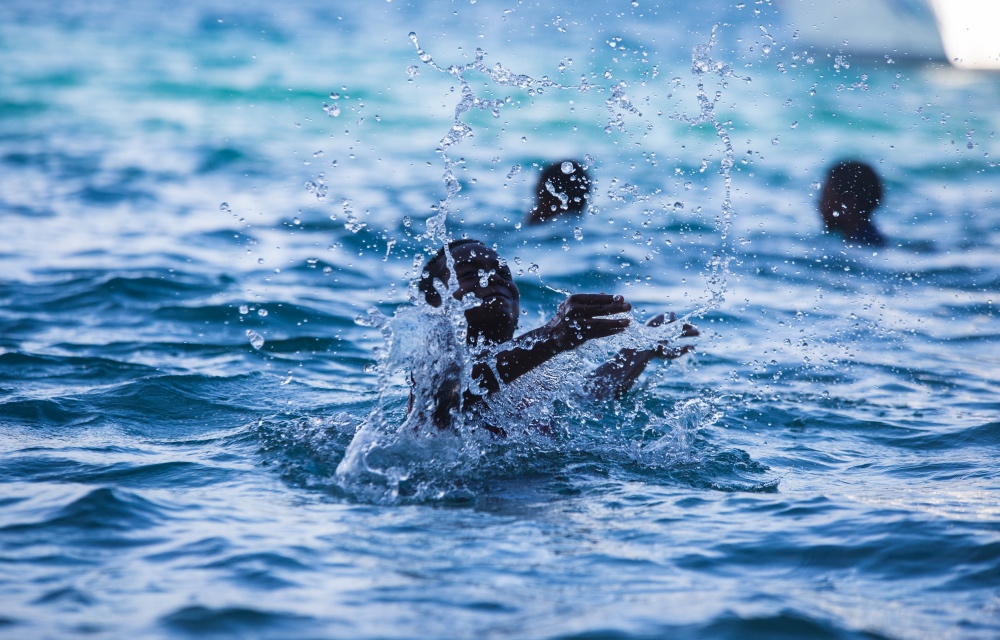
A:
(200, 200)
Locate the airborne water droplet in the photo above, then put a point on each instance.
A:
(256, 340)
(567, 167)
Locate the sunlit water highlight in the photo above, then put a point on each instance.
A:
(200, 201)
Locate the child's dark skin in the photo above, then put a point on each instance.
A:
(616, 376)
(581, 317)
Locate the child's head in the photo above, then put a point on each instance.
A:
(479, 271)
(562, 189)
(851, 192)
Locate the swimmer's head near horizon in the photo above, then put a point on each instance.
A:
(563, 190)
(480, 271)
(851, 191)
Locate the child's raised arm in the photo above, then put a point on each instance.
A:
(580, 318)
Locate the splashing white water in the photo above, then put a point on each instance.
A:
(460, 130)
(395, 452)
(702, 64)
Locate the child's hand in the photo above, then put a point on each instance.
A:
(579, 319)
(688, 331)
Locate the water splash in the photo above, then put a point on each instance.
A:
(433, 448)
(460, 130)
(703, 64)
(619, 99)
(400, 453)
(687, 419)
(407, 453)
(318, 187)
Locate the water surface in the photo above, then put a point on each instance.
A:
(822, 466)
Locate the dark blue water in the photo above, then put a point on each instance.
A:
(190, 237)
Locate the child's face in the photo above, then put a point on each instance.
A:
(478, 271)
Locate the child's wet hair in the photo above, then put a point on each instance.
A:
(854, 180)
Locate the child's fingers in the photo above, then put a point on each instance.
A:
(594, 298)
(600, 328)
(673, 354)
(604, 307)
(689, 331)
(656, 321)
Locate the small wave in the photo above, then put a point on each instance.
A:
(783, 624)
(102, 509)
(65, 595)
(985, 435)
(177, 401)
(177, 474)
(266, 570)
(229, 159)
(62, 412)
(155, 405)
(112, 195)
(102, 293)
(981, 570)
(200, 620)
(17, 366)
(82, 290)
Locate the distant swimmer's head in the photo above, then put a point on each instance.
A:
(480, 271)
(563, 189)
(851, 192)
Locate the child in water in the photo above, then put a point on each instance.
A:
(582, 317)
(562, 190)
(851, 192)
